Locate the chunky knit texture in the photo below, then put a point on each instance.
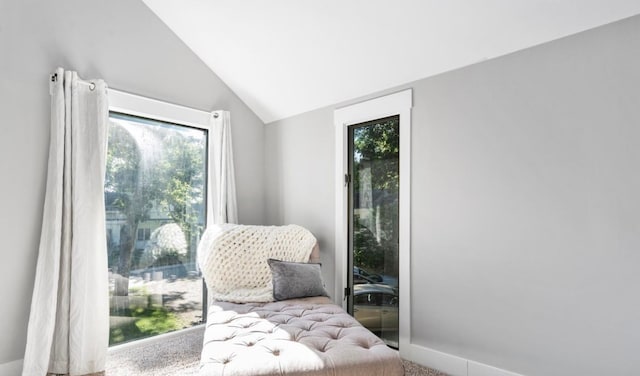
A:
(233, 258)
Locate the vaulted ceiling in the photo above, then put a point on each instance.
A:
(284, 57)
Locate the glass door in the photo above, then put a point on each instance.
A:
(373, 181)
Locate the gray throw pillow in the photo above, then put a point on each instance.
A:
(296, 279)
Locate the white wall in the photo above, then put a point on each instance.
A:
(123, 42)
(525, 205)
(299, 156)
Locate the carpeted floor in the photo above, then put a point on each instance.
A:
(179, 354)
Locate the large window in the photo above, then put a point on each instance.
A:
(155, 196)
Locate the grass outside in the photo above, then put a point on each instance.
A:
(155, 307)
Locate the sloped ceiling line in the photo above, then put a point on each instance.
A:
(285, 57)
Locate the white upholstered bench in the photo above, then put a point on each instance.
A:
(307, 336)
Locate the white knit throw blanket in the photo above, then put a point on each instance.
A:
(233, 258)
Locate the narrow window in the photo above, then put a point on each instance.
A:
(373, 212)
(374, 160)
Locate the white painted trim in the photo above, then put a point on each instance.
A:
(342, 220)
(480, 369)
(451, 364)
(153, 340)
(399, 103)
(13, 368)
(136, 105)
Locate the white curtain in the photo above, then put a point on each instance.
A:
(222, 194)
(69, 321)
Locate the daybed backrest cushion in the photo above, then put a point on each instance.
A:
(233, 258)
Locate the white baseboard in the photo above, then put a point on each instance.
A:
(447, 363)
(480, 369)
(451, 364)
(13, 368)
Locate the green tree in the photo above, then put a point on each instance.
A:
(132, 190)
(151, 167)
(376, 165)
(182, 173)
(377, 142)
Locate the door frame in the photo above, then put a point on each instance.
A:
(399, 103)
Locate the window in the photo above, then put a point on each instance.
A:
(155, 198)
(144, 234)
(397, 314)
(373, 170)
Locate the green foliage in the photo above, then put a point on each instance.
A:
(181, 171)
(148, 321)
(139, 290)
(133, 186)
(376, 178)
(153, 166)
(367, 252)
(377, 142)
(154, 320)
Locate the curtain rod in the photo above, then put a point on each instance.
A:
(92, 85)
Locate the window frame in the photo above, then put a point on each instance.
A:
(399, 103)
(153, 109)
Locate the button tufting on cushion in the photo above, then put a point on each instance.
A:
(295, 338)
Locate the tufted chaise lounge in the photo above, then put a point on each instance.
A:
(306, 336)
(309, 336)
